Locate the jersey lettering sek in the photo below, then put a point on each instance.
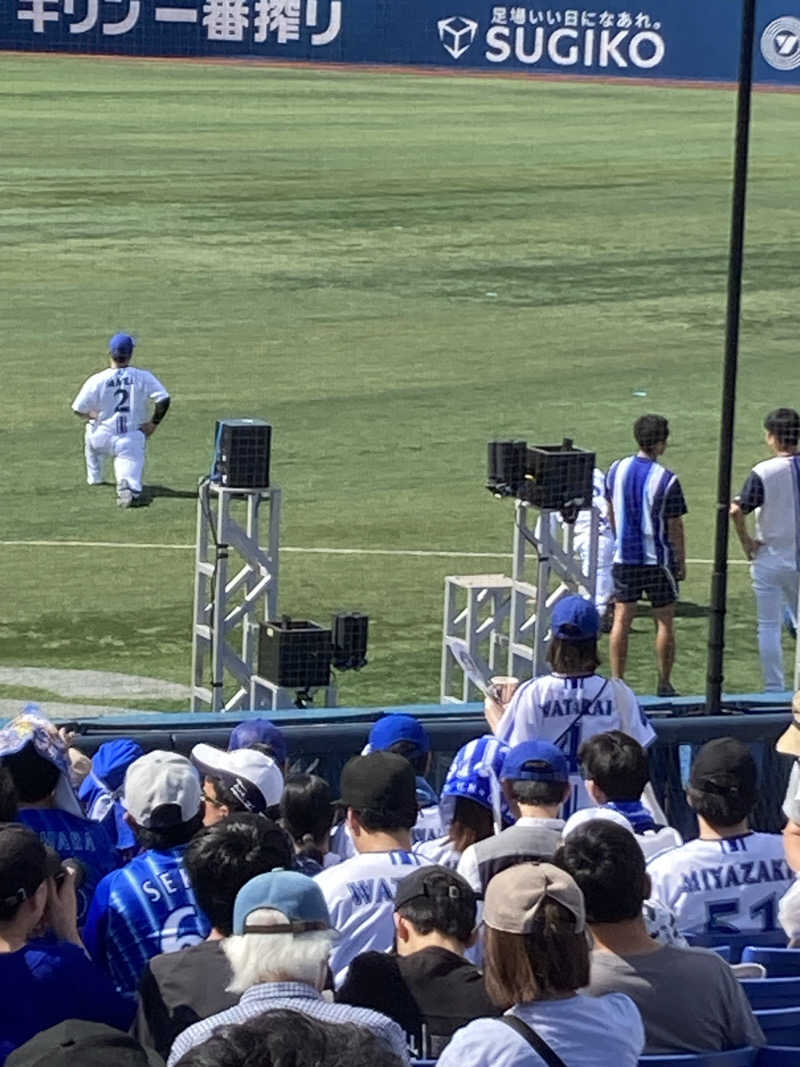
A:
(644, 496)
(360, 896)
(731, 886)
(568, 711)
(146, 908)
(119, 398)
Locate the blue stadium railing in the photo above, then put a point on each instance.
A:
(329, 736)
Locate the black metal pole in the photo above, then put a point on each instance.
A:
(719, 578)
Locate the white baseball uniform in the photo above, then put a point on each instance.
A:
(568, 711)
(360, 896)
(772, 491)
(118, 399)
(604, 589)
(730, 886)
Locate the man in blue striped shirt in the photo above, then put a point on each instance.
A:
(149, 907)
(646, 509)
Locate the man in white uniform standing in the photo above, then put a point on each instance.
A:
(115, 404)
(772, 491)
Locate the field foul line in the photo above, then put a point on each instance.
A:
(309, 551)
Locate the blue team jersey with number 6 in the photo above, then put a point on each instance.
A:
(146, 908)
(568, 711)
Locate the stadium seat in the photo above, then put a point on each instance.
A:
(737, 942)
(777, 1056)
(772, 992)
(780, 962)
(723, 950)
(736, 1057)
(781, 1026)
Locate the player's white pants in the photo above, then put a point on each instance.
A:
(775, 586)
(604, 587)
(126, 449)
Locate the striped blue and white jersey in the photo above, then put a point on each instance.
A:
(644, 496)
(772, 490)
(146, 908)
(360, 897)
(118, 399)
(728, 886)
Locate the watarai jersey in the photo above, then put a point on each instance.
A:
(729, 886)
(360, 897)
(567, 711)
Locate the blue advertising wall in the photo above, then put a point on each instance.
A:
(689, 39)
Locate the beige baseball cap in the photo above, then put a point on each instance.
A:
(515, 895)
(789, 741)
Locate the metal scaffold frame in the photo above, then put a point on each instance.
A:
(228, 610)
(505, 622)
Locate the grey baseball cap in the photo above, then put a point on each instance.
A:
(162, 789)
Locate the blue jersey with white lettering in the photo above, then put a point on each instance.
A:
(84, 840)
(146, 908)
(644, 496)
(728, 886)
(360, 898)
(568, 711)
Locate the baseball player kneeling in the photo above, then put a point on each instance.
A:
(115, 404)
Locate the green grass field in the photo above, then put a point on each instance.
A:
(392, 269)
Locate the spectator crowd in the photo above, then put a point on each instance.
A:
(225, 909)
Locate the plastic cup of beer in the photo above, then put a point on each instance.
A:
(504, 686)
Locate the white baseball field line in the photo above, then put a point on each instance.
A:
(315, 551)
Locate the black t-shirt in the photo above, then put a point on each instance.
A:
(434, 986)
(178, 989)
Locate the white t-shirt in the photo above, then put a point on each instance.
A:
(360, 896)
(121, 398)
(729, 886)
(427, 827)
(440, 851)
(583, 1031)
(549, 709)
(771, 490)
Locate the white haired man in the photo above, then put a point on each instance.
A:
(279, 956)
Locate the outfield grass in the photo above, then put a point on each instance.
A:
(393, 270)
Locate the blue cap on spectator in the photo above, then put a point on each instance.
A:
(259, 732)
(294, 895)
(575, 619)
(121, 345)
(392, 728)
(535, 761)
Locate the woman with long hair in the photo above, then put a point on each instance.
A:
(536, 958)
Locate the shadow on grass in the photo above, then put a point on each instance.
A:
(151, 492)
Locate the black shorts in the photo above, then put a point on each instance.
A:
(633, 580)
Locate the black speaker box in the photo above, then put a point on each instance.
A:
(350, 632)
(242, 453)
(558, 475)
(294, 653)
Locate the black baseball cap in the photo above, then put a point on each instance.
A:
(76, 1043)
(381, 782)
(25, 862)
(433, 882)
(724, 766)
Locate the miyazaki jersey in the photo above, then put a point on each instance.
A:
(730, 886)
(119, 398)
(360, 897)
(567, 711)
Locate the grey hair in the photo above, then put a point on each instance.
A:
(258, 958)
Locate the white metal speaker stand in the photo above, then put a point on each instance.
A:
(505, 622)
(560, 569)
(232, 524)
